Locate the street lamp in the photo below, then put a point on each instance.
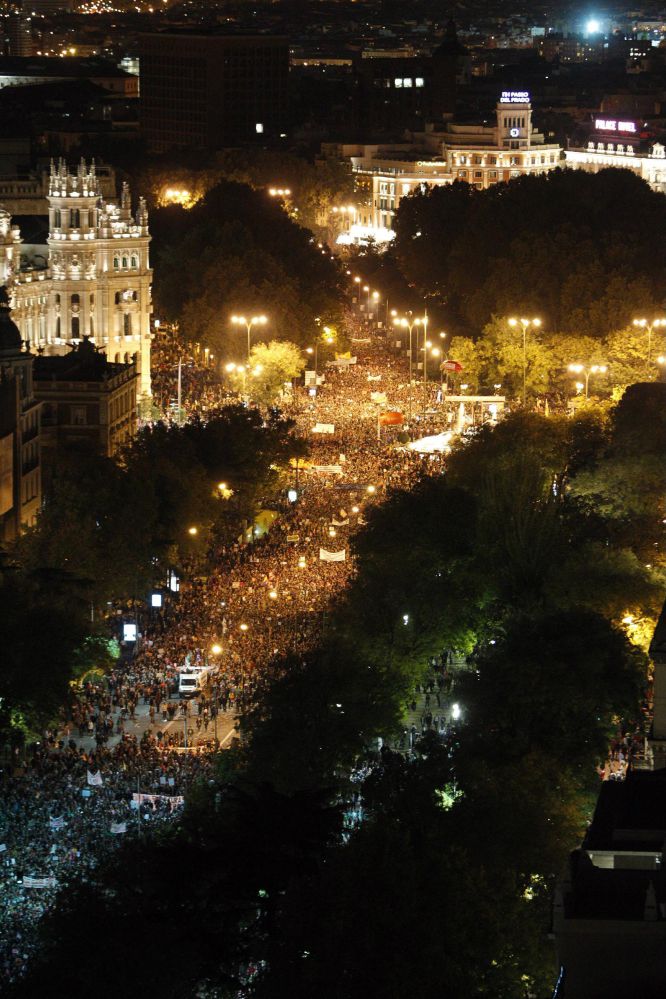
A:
(327, 336)
(525, 323)
(649, 326)
(239, 369)
(249, 323)
(586, 371)
(408, 324)
(216, 649)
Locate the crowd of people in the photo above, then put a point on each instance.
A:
(128, 748)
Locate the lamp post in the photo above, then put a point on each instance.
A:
(248, 324)
(649, 326)
(525, 323)
(327, 336)
(408, 324)
(586, 371)
(426, 344)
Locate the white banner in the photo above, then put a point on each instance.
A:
(174, 800)
(56, 823)
(332, 556)
(341, 362)
(340, 523)
(374, 378)
(118, 827)
(379, 397)
(29, 882)
(333, 469)
(323, 428)
(95, 780)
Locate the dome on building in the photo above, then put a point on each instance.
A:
(10, 337)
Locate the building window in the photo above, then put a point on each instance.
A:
(78, 416)
(407, 81)
(462, 174)
(398, 82)
(124, 263)
(259, 128)
(492, 174)
(135, 261)
(75, 327)
(478, 174)
(57, 219)
(127, 324)
(419, 81)
(74, 218)
(116, 263)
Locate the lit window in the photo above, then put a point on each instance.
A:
(259, 128)
(418, 82)
(398, 81)
(407, 82)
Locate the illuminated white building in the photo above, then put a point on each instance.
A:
(97, 282)
(616, 143)
(484, 155)
(478, 154)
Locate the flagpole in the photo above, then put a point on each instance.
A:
(138, 805)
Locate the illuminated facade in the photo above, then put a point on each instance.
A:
(616, 142)
(97, 282)
(477, 154)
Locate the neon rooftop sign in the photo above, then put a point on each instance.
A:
(613, 125)
(515, 97)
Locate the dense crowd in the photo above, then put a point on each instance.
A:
(69, 802)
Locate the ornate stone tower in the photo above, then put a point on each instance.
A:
(10, 247)
(98, 282)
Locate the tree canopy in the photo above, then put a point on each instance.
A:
(236, 251)
(580, 250)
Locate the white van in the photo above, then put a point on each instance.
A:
(188, 684)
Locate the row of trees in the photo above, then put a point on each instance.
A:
(109, 532)
(236, 251)
(315, 189)
(108, 522)
(510, 556)
(581, 250)
(496, 358)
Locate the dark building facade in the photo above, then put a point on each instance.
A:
(20, 431)
(210, 90)
(609, 918)
(86, 400)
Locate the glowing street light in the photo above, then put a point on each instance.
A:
(249, 323)
(525, 323)
(193, 531)
(244, 627)
(409, 324)
(586, 371)
(327, 336)
(216, 649)
(649, 326)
